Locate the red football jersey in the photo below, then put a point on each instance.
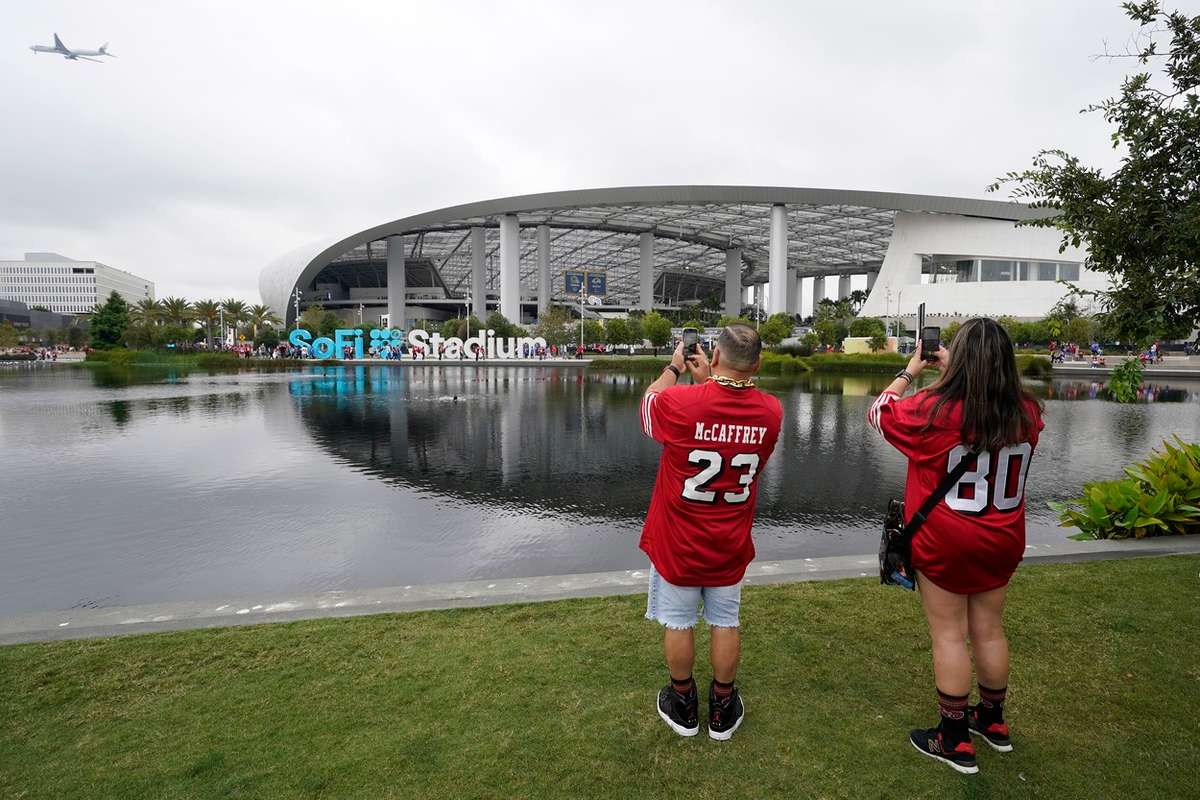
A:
(973, 539)
(716, 440)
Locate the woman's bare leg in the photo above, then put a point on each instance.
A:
(985, 622)
(946, 613)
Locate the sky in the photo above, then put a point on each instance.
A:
(225, 134)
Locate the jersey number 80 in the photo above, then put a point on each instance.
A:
(1002, 488)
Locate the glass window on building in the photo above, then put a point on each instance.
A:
(1068, 272)
(966, 270)
(993, 270)
(1046, 271)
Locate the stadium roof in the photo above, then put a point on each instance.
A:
(830, 231)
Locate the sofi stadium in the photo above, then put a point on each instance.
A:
(613, 250)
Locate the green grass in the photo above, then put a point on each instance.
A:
(556, 700)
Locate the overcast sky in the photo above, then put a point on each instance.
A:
(227, 133)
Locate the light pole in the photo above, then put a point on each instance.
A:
(296, 305)
(582, 287)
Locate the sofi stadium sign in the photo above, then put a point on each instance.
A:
(350, 343)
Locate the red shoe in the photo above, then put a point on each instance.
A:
(994, 733)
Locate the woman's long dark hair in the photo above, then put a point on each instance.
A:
(982, 375)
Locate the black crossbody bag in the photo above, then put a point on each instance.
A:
(895, 547)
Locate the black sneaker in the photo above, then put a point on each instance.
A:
(724, 716)
(959, 755)
(993, 730)
(680, 711)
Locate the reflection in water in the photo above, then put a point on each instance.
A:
(144, 486)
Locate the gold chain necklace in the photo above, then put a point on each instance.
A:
(733, 383)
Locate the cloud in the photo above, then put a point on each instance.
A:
(227, 133)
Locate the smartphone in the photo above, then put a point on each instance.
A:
(931, 340)
(691, 341)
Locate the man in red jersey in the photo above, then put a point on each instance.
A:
(717, 435)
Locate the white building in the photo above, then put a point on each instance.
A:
(66, 286)
(671, 248)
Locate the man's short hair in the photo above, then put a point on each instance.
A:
(740, 346)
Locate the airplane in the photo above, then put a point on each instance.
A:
(73, 55)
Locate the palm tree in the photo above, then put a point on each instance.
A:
(235, 313)
(857, 298)
(207, 311)
(177, 311)
(146, 311)
(261, 315)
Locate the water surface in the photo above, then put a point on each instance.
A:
(123, 487)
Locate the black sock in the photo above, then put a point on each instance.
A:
(722, 690)
(953, 710)
(685, 686)
(991, 702)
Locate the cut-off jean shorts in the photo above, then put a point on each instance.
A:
(676, 607)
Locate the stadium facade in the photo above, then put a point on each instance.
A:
(668, 247)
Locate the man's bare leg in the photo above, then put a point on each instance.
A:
(679, 646)
(724, 650)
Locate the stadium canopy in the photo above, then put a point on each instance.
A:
(697, 233)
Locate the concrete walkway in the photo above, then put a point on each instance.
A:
(462, 362)
(92, 622)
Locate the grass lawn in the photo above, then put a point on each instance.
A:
(556, 699)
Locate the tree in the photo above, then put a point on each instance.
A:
(207, 312)
(259, 316)
(949, 331)
(76, 338)
(176, 311)
(656, 329)
(726, 320)
(553, 325)
(878, 343)
(831, 321)
(776, 328)
(449, 328)
(693, 323)
(146, 310)
(8, 334)
(109, 322)
(617, 332)
(1139, 223)
(867, 327)
(857, 299)
(235, 313)
(503, 328)
(593, 331)
(268, 337)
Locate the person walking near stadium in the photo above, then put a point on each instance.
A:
(969, 546)
(717, 435)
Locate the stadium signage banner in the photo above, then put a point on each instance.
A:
(486, 344)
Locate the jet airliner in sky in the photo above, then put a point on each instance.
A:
(72, 55)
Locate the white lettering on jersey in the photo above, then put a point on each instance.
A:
(722, 432)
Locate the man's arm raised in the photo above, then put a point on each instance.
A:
(667, 379)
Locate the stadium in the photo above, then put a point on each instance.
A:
(736, 249)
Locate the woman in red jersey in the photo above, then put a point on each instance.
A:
(970, 545)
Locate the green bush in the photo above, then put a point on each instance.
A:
(857, 362)
(1032, 366)
(1160, 495)
(777, 363)
(1125, 381)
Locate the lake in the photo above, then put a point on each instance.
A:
(124, 487)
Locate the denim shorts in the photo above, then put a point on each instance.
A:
(676, 607)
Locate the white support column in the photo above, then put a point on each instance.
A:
(733, 282)
(646, 273)
(799, 309)
(871, 276)
(510, 268)
(793, 287)
(777, 264)
(397, 317)
(543, 239)
(818, 291)
(843, 287)
(478, 273)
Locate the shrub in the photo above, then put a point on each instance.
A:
(1125, 381)
(1160, 495)
(1032, 366)
(777, 363)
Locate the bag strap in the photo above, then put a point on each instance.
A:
(943, 488)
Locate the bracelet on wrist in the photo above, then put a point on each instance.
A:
(905, 374)
(673, 369)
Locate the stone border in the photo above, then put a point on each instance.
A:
(120, 620)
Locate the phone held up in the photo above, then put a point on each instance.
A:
(691, 341)
(931, 337)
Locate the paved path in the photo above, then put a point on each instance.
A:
(462, 362)
(91, 622)
(1173, 367)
